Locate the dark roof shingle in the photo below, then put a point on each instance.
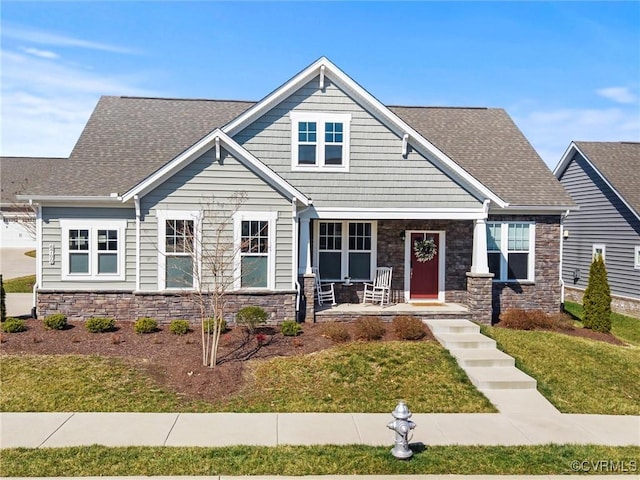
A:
(26, 174)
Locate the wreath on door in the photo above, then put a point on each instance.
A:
(425, 249)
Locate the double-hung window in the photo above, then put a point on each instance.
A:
(255, 247)
(345, 249)
(93, 250)
(320, 141)
(510, 249)
(178, 241)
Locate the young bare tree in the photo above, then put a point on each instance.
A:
(209, 243)
(23, 213)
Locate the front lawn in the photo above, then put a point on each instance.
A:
(318, 460)
(625, 328)
(356, 377)
(577, 375)
(19, 284)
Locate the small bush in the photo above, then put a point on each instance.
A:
(518, 319)
(335, 331)
(179, 327)
(56, 321)
(145, 325)
(3, 305)
(100, 324)
(13, 325)
(370, 328)
(408, 327)
(561, 321)
(250, 317)
(210, 324)
(289, 328)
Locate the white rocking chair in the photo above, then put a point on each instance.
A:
(380, 289)
(324, 291)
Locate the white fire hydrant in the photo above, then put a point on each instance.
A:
(402, 426)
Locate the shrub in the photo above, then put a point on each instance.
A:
(408, 327)
(518, 319)
(250, 317)
(210, 324)
(179, 327)
(13, 325)
(597, 298)
(561, 321)
(55, 321)
(370, 328)
(289, 328)
(100, 324)
(145, 325)
(335, 331)
(3, 305)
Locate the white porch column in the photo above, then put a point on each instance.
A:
(479, 263)
(304, 265)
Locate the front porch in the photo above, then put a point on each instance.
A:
(423, 310)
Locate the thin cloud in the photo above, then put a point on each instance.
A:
(551, 131)
(53, 39)
(618, 94)
(41, 53)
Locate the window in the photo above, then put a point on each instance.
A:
(93, 250)
(636, 257)
(599, 250)
(320, 141)
(178, 241)
(345, 249)
(255, 244)
(510, 250)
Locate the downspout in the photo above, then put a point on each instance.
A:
(34, 309)
(566, 214)
(136, 202)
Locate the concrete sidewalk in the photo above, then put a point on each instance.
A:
(34, 430)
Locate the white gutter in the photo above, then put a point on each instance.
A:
(62, 198)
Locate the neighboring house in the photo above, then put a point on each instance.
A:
(18, 175)
(604, 180)
(333, 178)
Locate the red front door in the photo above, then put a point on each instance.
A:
(424, 274)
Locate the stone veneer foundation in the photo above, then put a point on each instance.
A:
(164, 307)
(622, 305)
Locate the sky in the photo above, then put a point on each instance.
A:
(564, 71)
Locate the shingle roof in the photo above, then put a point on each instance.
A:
(619, 163)
(490, 147)
(127, 139)
(25, 174)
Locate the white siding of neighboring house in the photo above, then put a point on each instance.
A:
(601, 219)
(379, 175)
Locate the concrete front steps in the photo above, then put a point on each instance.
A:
(487, 367)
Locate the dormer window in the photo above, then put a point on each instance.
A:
(320, 141)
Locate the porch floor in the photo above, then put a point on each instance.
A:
(423, 310)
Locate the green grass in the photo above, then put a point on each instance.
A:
(20, 284)
(357, 377)
(313, 460)
(577, 375)
(363, 377)
(625, 328)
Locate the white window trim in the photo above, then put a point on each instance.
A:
(595, 248)
(93, 226)
(249, 216)
(344, 252)
(320, 118)
(162, 216)
(636, 257)
(504, 251)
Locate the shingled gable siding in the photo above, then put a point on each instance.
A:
(192, 188)
(52, 239)
(602, 218)
(376, 161)
(544, 293)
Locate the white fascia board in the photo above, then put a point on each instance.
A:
(564, 160)
(200, 147)
(397, 213)
(389, 118)
(532, 210)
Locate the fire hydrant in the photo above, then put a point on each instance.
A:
(402, 426)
